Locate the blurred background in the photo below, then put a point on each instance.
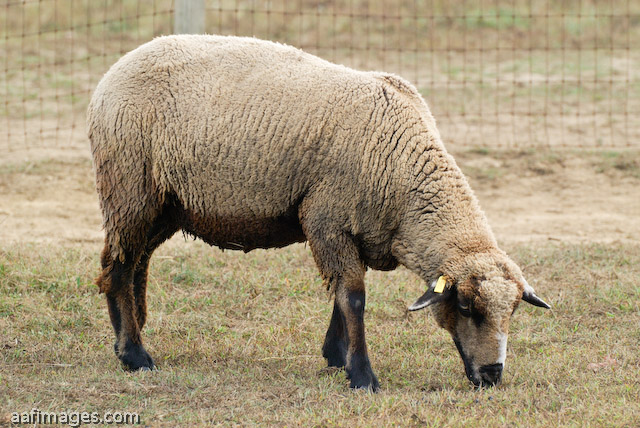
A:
(496, 73)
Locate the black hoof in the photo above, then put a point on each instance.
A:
(135, 357)
(364, 380)
(335, 352)
(361, 374)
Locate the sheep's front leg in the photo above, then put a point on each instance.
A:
(336, 341)
(350, 297)
(339, 263)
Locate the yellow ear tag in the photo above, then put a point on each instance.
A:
(442, 282)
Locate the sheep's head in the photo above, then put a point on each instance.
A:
(476, 308)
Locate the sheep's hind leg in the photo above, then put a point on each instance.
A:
(336, 341)
(159, 232)
(116, 281)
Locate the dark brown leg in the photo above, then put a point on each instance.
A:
(160, 232)
(140, 289)
(116, 281)
(336, 341)
(339, 263)
(351, 301)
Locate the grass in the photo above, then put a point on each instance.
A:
(620, 162)
(237, 341)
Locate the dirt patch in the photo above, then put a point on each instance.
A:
(565, 196)
(49, 200)
(49, 196)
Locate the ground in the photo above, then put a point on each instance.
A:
(237, 337)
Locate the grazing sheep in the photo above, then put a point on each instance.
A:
(251, 144)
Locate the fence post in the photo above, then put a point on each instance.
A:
(188, 17)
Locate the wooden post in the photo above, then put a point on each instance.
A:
(188, 17)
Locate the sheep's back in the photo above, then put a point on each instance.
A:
(234, 125)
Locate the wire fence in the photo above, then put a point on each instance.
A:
(496, 73)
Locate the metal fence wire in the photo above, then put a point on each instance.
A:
(496, 73)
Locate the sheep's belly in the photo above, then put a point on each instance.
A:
(245, 234)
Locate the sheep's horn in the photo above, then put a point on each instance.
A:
(529, 296)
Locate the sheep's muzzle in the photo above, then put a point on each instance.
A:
(491, 374)
(485, 376)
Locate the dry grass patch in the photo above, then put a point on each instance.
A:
(237, 340)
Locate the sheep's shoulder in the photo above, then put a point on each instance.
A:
(410, 94)
(399, 84)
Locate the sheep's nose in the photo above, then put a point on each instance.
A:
(491, 374)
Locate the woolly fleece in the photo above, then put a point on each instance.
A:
(262, 145)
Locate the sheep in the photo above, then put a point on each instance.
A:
(251, 144)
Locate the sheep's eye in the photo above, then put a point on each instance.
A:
(464, 308)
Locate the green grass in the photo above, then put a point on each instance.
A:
(237, 341)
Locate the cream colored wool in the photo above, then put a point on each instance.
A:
(243, 128)
(243, 132)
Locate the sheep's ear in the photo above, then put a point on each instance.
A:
(529, 296)
(439, 291)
